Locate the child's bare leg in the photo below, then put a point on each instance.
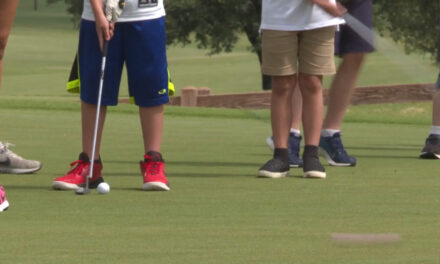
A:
(88, 115)
(313, 107)
(7, 14)
(341, 88)
(296, 109)
(436, 109)
(152, 125)
(280, 110)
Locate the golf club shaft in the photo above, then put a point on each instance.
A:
(363, 31)
(98, 112)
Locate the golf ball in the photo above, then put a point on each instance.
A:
(103, 188)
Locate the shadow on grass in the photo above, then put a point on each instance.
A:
(194, 163)
(387, 157)
(385, 147)
(46, 187)
(209, 174)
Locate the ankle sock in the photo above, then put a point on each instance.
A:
(310, 150)
(282, 154)
(329, 132)
(435, 130)
(296, 132)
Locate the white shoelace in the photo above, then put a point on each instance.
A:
(5, 149)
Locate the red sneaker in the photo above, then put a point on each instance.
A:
(76, 177)
(153, 171)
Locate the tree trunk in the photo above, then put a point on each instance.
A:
(251, 28)
(35, 5)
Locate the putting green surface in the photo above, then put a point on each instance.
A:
(217, 210)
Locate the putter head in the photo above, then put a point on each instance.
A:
(82, 191)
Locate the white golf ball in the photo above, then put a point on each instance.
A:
(103, 188)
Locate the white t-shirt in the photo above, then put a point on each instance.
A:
(135, 10)
(295, 15)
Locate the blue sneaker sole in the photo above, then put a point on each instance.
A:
(331, 162)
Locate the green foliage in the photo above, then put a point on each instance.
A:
(213, 24)
(414, 23)
(74, 7)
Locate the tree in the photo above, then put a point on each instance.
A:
(74, 7)
(215, 25)
(414, 23)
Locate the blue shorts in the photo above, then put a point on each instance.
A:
(348, 41)
(142, 46)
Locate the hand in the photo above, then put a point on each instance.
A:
(334, 9)
(104, 29)
(113, 9)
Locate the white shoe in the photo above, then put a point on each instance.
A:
(13, 163)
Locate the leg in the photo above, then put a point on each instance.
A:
(436, 109)
(295, 135)
(313, 107)
(88, 115)
(152, 125)
(7, 14)
(153, 166)
(281, 103)
(340, 92)
(296, 109)
(431, 150)
(341, 88)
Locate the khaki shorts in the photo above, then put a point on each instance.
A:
(289, 52)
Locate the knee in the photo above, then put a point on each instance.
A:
(283, 85)
(310, 84)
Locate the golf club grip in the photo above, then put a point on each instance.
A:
(105, 48)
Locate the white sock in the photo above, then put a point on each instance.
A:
(296, 132)
(435, 130)
(329, 132)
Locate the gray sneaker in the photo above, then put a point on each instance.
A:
(432, 148)
(12, 163)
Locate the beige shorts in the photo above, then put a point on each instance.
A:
(289, 52)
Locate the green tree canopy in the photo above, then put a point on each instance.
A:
(414, 23)
(215, 25)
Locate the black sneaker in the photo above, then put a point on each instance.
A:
(274, 168)
(432, 148)
(312, 167)
(293, 147)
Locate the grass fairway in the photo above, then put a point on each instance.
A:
(217, 212)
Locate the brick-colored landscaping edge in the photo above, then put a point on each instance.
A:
(190, 96)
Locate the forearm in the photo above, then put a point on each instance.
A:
(97, 8)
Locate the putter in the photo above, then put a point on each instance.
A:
(86, 189)
(363, 31)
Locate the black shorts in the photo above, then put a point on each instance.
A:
(348, 41)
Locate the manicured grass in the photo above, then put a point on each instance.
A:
(217, 210)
